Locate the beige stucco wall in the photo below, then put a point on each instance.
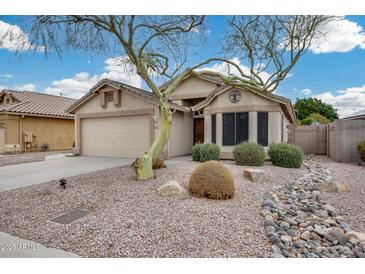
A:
(11, 123)
(129, 102)
(249, 103)
(285, 129)
(181, 134)
(2, 137)
(193, 88)
(58, 133)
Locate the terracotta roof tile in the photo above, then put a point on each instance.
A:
(37, 103)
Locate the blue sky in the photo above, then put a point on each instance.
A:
(334, 70)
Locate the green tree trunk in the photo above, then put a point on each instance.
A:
(143, 164)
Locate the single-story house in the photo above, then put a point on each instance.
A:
(115, 119)
(30, 119)
(359, 115)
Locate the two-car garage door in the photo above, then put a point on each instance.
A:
(122, 136)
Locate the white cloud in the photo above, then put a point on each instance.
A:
(13, 38)
(347, 101)
(6, 75)
(339, 36)
(306, 91)
(78, 85)
(224, 68)
(27, 87)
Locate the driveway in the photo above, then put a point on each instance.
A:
(14, 247)
(54, 167)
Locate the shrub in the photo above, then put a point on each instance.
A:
(209, 152)
(306, 121)
(45, 147)
(158, 163)
(195, 152)
(361, 149)
(205, 152)
(286, 155)
(212, 180)
(249, 154)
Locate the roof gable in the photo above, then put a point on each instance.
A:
(140, 93)
(284, 102)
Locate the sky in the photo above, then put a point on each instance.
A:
(332, 70)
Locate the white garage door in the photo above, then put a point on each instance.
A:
(127, 136)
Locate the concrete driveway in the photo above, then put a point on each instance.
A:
(53, 168)
(14, 247)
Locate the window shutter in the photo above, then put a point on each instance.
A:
(241, 127)
(229, 129)
(262, 128)
(214, 128)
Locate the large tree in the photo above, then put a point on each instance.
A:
(307, 106)
(156, 46)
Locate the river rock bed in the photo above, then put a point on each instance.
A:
(300, 224)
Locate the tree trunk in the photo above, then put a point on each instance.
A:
(143, 164)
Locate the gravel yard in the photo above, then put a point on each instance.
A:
(7, 160)
(350, 204)
(129, 219)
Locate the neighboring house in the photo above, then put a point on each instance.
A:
(360, 115)
(30, 119)
(114, 119)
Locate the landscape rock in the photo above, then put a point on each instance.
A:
(331, 210)
(300, 225)
(254, 175)
(334, 187)
(173, 189)
(359, 236)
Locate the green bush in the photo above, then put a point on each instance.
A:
(209, 152)
(205, 152)
(361, 149)
(195, 152)
(249, 154)
(286, 155)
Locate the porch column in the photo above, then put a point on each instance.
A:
(252, 126)
(274, 127)
(219, 129)
(207, 128)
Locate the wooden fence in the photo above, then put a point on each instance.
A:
(312, 139)
(338, 140)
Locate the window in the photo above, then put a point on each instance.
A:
(235, 128)
(214, 128)
(110, 96)
(241, 127)
(262, 128)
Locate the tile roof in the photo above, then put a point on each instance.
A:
(358, 114)
(149, 96)
(28, 102)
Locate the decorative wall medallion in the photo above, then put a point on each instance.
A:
(234, 96)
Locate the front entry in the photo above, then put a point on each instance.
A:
(198, 130)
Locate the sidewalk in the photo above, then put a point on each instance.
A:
(14, 247)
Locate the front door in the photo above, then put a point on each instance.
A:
(198, 130)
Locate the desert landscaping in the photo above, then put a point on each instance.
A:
(129, 218)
